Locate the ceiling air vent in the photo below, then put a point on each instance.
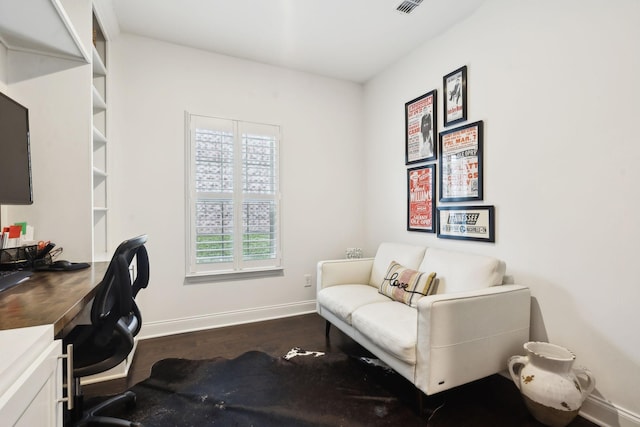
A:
(407, 6)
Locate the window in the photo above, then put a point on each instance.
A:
(234, 202)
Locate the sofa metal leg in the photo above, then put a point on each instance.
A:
(420, 400)
(327, 327)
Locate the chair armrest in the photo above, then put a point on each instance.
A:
(344, 271)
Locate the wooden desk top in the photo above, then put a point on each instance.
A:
(50, 298)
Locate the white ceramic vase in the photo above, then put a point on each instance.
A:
(552, 389)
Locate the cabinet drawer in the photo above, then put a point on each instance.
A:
(32, 400)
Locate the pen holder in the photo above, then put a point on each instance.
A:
(42, 263)
(17, 258)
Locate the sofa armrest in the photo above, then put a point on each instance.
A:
(465, 336)
(344, 271)
(463, 316)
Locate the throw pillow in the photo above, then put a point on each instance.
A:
(406, 285)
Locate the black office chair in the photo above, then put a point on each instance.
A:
(115, 320)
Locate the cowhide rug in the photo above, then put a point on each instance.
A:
(300, 389)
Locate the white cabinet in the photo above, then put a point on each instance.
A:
(30, 378)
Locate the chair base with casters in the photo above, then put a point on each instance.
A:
(109, 339)
(87, 362)
(92, 415)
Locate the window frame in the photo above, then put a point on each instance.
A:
(238, 266)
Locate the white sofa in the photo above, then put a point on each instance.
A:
(465, 331)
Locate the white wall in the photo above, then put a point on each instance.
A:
(556, 84)
(152, 84)
(60, 157)
(3, 67)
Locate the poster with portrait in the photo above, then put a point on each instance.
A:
(421, 128)
(461, 163)
(420, 201)
(455, 96)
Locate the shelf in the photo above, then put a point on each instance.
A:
(99, 160)
(99, 137)
(38, 43)
(98, 173)
(98, 102)
(99, 69)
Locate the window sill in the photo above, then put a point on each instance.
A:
(225, 276)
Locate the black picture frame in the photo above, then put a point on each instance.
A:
(421, 201)
(461, 164)
(476, 223)
(454, 87)
(421, 128)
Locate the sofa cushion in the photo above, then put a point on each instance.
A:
(459, 271)
(343, 300)
(406, 285)
(391, 326)
(408, 255)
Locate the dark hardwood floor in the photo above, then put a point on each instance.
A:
(493, 401)
(275, 337)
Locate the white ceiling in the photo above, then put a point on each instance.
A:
(347, 39)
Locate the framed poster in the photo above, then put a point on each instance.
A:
(466, 223)
(421, 214)
(420, 116)
(455, 96)
(461, 163)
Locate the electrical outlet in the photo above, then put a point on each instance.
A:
(307, 280)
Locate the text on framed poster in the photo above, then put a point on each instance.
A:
(420, 200)
(461, 163)
(421, 128)
(467, 223)
(455, 96)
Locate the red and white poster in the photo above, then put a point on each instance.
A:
(461, 163)
(421, 207)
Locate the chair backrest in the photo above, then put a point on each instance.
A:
(114, 299)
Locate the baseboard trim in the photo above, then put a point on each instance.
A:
(607, 414)
(229, 318)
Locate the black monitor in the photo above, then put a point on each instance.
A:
(15, 158)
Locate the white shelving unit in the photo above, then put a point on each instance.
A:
(100, 143)
(40, 39)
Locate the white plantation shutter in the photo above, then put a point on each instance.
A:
(234, 201)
